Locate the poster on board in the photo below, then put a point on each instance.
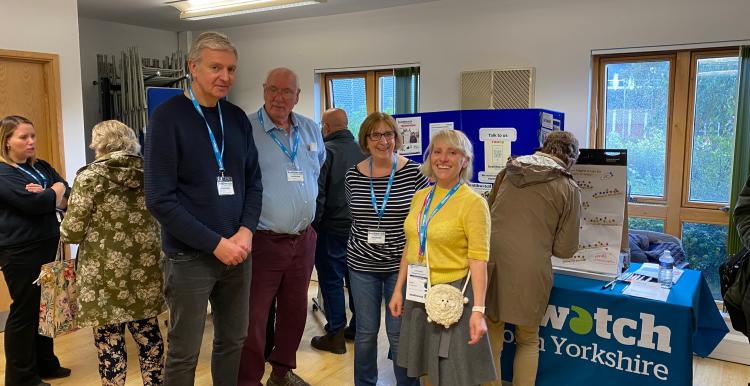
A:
(437, 127)
(601, 175)
(411, 131)
(481, 189)
(497, 147)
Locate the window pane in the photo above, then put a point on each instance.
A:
(706, 248)
(637, 103)
(387, 94)
(646, 224)
(713, 129)
(349, 94)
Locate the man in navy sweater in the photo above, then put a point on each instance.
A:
(203, 185)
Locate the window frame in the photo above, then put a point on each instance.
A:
(674, 207)
(372, 86)
(695, 56)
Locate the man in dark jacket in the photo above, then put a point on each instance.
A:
(332, 222)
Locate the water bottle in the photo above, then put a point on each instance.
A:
(666, 266)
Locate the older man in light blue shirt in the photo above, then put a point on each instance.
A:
(290, 153)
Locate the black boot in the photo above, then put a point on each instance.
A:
(349, 332)
(332, 342)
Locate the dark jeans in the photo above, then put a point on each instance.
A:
(330, 262)
(282, 265)
(190, 282)
(27, 354)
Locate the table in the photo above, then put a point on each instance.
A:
(591, 336)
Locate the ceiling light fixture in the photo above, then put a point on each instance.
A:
(202, 9)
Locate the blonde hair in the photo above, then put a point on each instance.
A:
(8, 126)
(455, 140)
(369, 125)
(110, 136)
(213, 41)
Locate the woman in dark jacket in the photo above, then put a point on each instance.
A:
(30, 192)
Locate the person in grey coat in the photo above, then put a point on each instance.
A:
(332, 222)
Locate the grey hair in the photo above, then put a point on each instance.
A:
(113, 135)
(211, 40)
(454, 139)
(561, 144)
(285, 71)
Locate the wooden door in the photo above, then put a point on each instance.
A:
(30, 86)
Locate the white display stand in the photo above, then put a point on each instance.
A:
(602, 176)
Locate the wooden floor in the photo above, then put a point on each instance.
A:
(76, 351)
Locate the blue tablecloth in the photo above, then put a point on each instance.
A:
(591, 336)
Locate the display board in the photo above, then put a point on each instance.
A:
(602, 176)
(495, 135)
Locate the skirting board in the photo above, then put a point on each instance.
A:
(733, 348)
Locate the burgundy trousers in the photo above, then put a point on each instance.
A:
(282, 265)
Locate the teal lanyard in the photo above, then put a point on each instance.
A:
(218, 154)
(295, 147)
(381, 211)
(43, 182)
(422, 225)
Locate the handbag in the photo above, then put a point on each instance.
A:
(57, 306)
(444, 303)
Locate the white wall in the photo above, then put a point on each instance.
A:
(447, 37)
(52, 27)
(103, 37)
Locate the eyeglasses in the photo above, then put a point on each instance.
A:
(375, 136)
(286, 93)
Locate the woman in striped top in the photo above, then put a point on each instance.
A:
(379, 190)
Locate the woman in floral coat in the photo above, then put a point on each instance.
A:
(119, 278)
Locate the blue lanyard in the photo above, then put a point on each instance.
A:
(43, 182)
(219, 155)
(291, 155)
(425, 220)
(380, 212)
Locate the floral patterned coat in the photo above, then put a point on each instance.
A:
(119, 276)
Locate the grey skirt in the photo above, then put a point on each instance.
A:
(444, 354)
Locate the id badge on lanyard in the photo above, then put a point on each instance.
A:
(225, 186)
(416, 283)
(375, 236)
(293, 174)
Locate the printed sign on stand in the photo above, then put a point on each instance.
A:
(496, 151)
(602, 177)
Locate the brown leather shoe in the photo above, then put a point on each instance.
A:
(332, 342)
(289, 379)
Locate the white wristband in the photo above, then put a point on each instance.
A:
(478, 309)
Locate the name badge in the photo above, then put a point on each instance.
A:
(293, 174)
(224, 186)
(375, 236)
(416, 283)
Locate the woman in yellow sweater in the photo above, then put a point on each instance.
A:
(447, 237)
